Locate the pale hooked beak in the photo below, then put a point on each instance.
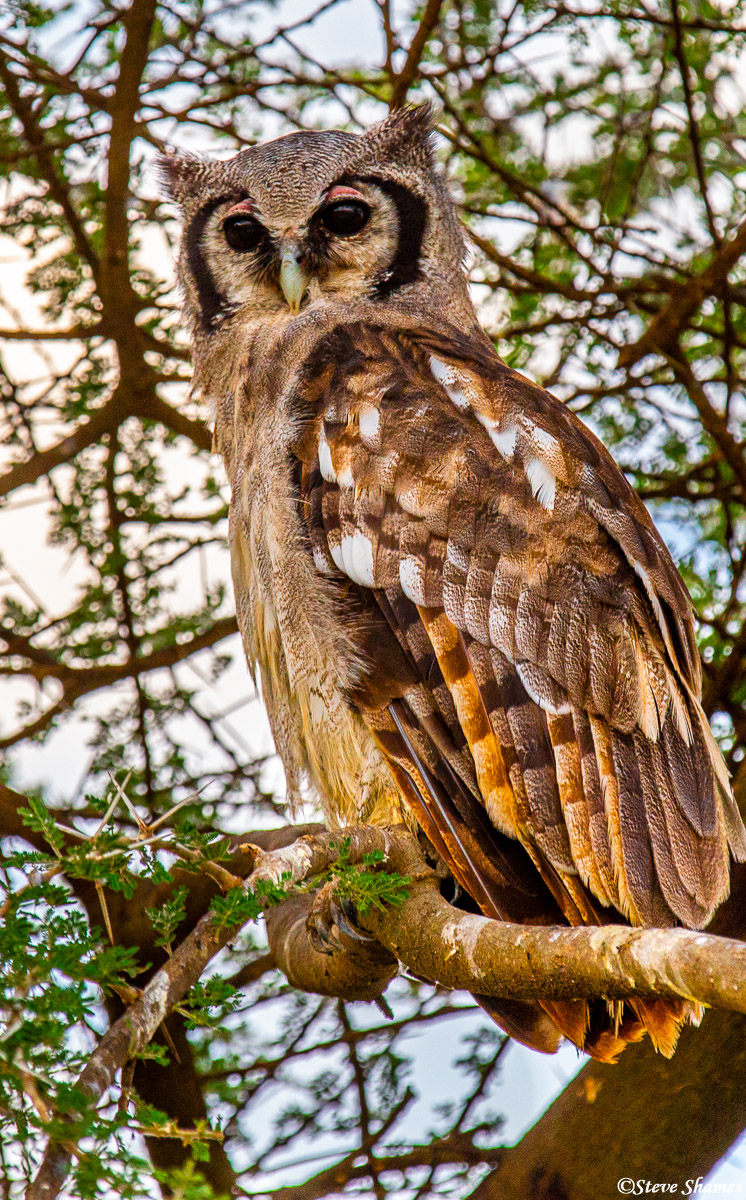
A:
(293, 279)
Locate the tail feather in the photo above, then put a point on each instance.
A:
(639, 865)
(529, 1024)
(663, 1021)
(734, 824)
(575, 808)
(595, 809)
(610, 792)
(598, 826)
(691, 771)
(464, 844)
(677, 850)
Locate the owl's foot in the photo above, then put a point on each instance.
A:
(330, 916)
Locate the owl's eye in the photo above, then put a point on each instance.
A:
(345, 217)
(242, 232)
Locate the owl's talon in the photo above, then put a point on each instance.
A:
(346, 919)
(331, 916)
(321, 922)
(323, 939)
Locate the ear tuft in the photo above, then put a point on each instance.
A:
(405, 132)
(417, 118)
(178, 174)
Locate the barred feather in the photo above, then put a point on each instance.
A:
(552, 679)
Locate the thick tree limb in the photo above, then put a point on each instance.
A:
(647, 1118)
(137, 22)
(536, 962)
(520, 962)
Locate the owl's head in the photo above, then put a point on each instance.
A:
(317, 218)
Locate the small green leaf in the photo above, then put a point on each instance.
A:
(166, 919)
(38, 817)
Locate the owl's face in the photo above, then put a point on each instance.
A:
(273, 254)
(313, 219)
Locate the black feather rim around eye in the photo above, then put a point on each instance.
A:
(345, 217)
(243, 232)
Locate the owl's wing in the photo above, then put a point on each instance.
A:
(554, 678)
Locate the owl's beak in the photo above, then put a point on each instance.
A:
(293, 279)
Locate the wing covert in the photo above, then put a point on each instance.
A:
(445, 482)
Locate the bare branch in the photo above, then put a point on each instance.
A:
(410, 70)
(35, 137)
(714, 423)
(662, 334)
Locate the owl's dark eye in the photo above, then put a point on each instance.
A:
(345, 217)
(242, 232)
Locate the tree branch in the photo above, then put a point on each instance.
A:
(519, 962)
(44, 159)
(662, 334)
(713, 422)
(647, 1117)
(81, 681)
(434, 940)
(456, 1147)
(135, 1028)
(409, 72)
(42, 462)
(137, 22)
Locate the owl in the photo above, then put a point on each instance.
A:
(462, 616)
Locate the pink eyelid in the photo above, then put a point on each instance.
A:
(243, 206)
(343, 193)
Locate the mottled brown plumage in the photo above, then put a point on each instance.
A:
(461, 613)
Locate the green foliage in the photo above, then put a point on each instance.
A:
(166, 919)
(209, 1002)
(364, 886)
(187, 1182)
(240, 905)
(38, 817)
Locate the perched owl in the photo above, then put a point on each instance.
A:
(462, 615)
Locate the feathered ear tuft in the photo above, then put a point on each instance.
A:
(406, 132)
(178, 175)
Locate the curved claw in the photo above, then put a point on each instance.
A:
(321, 924)
(331, 916)
(345, 918)
(322, 937)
